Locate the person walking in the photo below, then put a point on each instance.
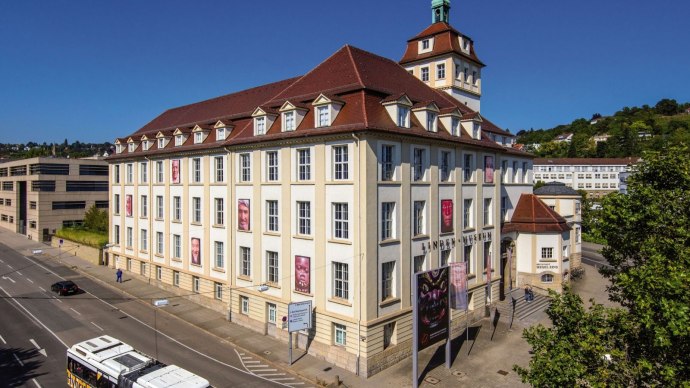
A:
(119, 275)
(531, 293)
(527, 294)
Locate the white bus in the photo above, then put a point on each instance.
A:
(106, 362)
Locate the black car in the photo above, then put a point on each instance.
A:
(65, 287)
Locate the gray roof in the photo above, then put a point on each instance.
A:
(555, 188)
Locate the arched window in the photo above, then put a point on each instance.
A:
(547, 278)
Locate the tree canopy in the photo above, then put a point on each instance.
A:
(647, 340)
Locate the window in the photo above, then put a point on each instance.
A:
(387, 225)
(116, 234)
(246, 261)
(179, 139)
(219, 166)
(418, 264)
(144, 172)
(525, 174)
(388, 331)
(129, 237)
(577, 207)
(219, 210)
(244, 305)
(475, 79)
(403, 116)
(198, 137)
(196, 283)
(467, 257)
(487, 212)
(177, 246)
(116, 174)
(176, 278)
(341, 281)
(467, 213)
(387, 163)
(32, 204)
(272, 216)
(339, 334)
(196, 210)
(387, 273)
(578, 235)
(272, 312)
(144, 206)
(425, 44)
(304, 217)
(455, 126)
(304, 164)
(272, 166)
(467, 168)
(340, 163)
(547, 278)
(547, 253)
(177, 208)
(445, 166)
(487, 257)
(159, 206)
(504, 207)
(161, 143)
(323, 114)
(130, 173)
(159, 272)
(260, 125)
(116, 203)
(159, 172)
(425, 74)
(441, 71)
(220, 134)
(289, 121)
(245, 168)
(418, 218)
(516, 172)
(196, 170)
(340, 221)
(218, 290)
(144, 240)
(272, 267)
(159, 243)
(418, 164)
(220, 254)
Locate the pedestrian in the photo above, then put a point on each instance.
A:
(526, 293)
(119, 275)
(531, 294)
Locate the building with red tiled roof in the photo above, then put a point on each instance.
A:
(333, 187)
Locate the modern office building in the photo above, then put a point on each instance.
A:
(599, 176)
(334, 187)
(43, 194)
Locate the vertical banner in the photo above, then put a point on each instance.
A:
(488, 169)
(175, 173)
(432, 307)
(458, 283)
(446, 215)
(128, 205)
(196, 251)
(302, 274)
(243, 214)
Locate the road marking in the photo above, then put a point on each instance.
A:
(34, 317)
(19, 273)
(75, 311)
(282, 378)
(3, 340)
(251, 362)
(2, 261)
(40, 350)
(297, 383)
(143, 324)
(42, 289)
(272, 374)
(18, 360)
(264, 370)
(56, 298)
(8, 278)
(37, 384)
(97, 326)
(31, 281)
(10, 266)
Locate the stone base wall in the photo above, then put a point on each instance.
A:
(92, 255)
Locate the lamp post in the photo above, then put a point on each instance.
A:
(156, 304)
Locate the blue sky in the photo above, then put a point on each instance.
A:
(95, 70)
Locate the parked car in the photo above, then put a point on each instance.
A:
(65, 287)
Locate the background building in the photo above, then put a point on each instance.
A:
(599, 176)
(40, 195)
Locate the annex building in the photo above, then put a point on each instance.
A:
(598, 176)
(334, 187)
(41, 195)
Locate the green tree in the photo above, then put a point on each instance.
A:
(667, 107)
(96, 219)
(647, 341)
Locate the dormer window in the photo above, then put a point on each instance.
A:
(289, 121)
(466, 45)
(476, 131)
(259, 125)
(119, 148)
(323, 116)
(220, 134)
(131, 147)
(146, 145)
(431, 121)
(403, 116)
(425, 44)
(179, 139)
(455, 126)
(161, 143)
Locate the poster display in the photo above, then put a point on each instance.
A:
(196, 251)
(446, 215)
(175, 173)
(458, 283)
(488, 169)
(432, 298)
(243, 214)
(302, 274)
(128, 205)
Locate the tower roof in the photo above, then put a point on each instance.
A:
(446, 40)
(531, 215)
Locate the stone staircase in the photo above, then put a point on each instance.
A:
(523, 310)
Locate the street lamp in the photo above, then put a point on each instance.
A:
(156, 304)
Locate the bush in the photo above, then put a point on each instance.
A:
(82, 236)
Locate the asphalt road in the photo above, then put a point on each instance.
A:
(591, 255)
(37, 326)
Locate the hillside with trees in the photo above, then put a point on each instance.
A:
(76, 149)
(631, 131)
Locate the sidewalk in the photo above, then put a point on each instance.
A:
(493, 352)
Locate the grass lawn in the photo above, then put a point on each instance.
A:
(82, 236)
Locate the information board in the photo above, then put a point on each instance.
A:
(299, 316)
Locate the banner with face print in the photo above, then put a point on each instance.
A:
(302, 274)
(458, 286)
(446, 215)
